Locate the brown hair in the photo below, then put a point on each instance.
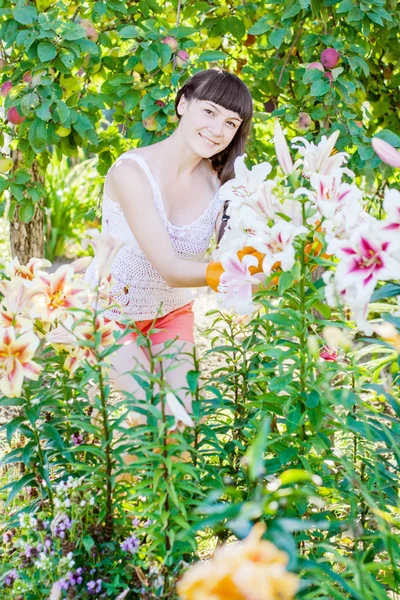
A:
(227, 90)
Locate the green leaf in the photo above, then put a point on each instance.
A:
(375, 18)
(118, 6)
(312, 399)
(291, 11)
(212, 55)
(285, 281)
(49, 432)
(312, 75)
(149, 60)
(276, 37)
(25, 15)
(46, 51)
(43, 112)
(88, 543)
(72, 32)
(182, 31)
(355, 15)
(192, 378)
(386, 291)
(128, 32)
(26, 211)
(260, 27)
(68, 58)
(389, 137)
(17, 191)
(27, 479)
(63, 111)
(295, 475)
(235, 27)
(254, 456)
(320, 87)
(131, 99)
(37, 135)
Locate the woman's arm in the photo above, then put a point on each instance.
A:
(128, 185)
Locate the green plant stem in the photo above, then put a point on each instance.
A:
(303, 328)
(164, 452)
(108, 439)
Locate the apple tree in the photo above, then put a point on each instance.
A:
(100, 76)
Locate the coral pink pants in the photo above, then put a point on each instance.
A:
(176, 324)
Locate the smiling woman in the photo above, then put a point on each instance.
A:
(162, 202)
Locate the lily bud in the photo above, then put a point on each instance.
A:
(386, 152)
(282, 150)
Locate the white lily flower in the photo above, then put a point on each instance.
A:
(246, 180)
(319, 158)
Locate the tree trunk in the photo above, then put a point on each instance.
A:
(27, 239)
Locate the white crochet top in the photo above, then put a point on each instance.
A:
(138, 287)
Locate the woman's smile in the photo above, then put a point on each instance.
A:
(208, 141)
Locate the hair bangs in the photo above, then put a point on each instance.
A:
(228, 91)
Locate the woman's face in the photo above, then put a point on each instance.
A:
(207, 127)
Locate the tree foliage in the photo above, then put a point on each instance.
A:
(97, 75)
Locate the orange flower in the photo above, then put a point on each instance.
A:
(59, 293)
(28, 271)
(16, 362)
(16, 304)
(60, 338)
(250, 570)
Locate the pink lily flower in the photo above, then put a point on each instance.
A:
(386, 152)
(279, 246)
(328, 354)
(16, 362)
(330, 195)
(282, 150)
(236, 281)
(391, 205)
(366, 258)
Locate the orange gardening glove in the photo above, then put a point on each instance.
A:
(215, 269)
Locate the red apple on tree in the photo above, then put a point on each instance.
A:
(5, 88)
(330, 58)
(150, 124)
(182, 58)
(91, 32)
(27, 77)
(171, 42)
(160, 103)
(14, 117)
(315, 65)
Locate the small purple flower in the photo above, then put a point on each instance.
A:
(94, 587)
(10, 578)
(60, 525)
(131, 544)
(7, 537)
(135, 522)
(77, 438)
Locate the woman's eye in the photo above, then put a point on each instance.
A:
(231, 123)
(209, 111)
